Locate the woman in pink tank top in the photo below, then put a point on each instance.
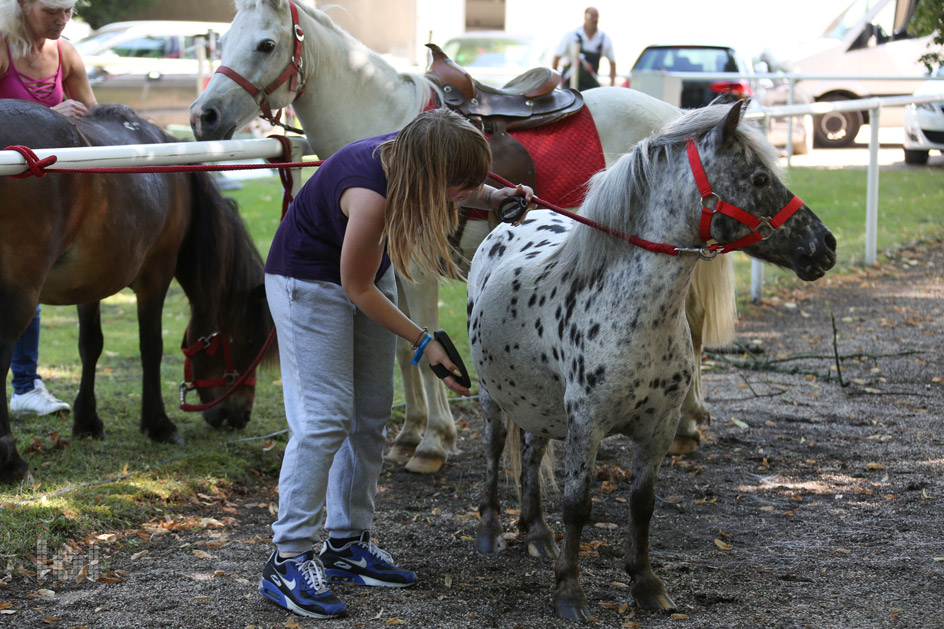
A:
(36, 65)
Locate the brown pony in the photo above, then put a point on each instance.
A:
(72, 238)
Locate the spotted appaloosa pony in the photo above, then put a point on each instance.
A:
(343, 92)
(577, 334)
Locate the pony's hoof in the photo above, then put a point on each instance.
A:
(489, 543)
(95, 432)
(684, 444)
(571, 610)
(401, 453)
(167, 436)
(544, 549)
(659, 600)
(13, 468)
(421, 464)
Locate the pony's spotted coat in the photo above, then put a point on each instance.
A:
(577, 335)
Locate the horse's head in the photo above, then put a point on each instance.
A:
(748, 205)
(261, 69)
(221, 364)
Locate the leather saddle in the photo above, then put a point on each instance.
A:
(527, 101)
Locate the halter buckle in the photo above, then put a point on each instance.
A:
(705, 253)
(765, 228)
(183, 388)
(229, 377)
(299, 33)
(706, 198)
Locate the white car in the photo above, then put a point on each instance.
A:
(924, 123)
(496, 57)
(152, 66)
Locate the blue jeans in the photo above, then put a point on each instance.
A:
(26, 357)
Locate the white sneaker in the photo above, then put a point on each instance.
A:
(39, 401)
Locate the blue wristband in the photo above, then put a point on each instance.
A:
(427, 338)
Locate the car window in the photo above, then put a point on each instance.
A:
(687, 60)
(489, 53)
(151, 47)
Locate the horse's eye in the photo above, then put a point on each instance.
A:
(266, 45)
(760, 180)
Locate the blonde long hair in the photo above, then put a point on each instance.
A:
(13, 22)
(436, 150)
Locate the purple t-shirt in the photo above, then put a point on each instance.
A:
(307, 244)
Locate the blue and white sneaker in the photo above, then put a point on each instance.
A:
(298, 584)
(362, 562)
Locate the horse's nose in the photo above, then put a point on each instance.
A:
(204, 122)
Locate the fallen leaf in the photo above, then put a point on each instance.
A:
(737, 422)
(679, 616)
(202, 554)
(395, 621)
(875, 466)
(5, 606)
(722, 546)
(139, 555)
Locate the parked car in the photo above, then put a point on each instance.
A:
(496, 57)
(151, 66)
(924, 123)
(869, 38)
(712, 59)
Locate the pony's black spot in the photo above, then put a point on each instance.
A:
(593, 331)
(554, 227)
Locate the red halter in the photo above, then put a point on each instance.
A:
(763, 228)
(230, 378)
(291, 73)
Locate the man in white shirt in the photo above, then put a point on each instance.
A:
(593, 44)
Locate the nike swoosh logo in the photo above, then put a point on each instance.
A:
(360, 563)
(278, 582)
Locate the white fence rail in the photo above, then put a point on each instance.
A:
(13, 163)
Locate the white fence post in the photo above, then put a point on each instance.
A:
(871, 196)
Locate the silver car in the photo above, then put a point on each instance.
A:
(155, 67)
(924, 123)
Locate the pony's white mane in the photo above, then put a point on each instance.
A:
(620, 191)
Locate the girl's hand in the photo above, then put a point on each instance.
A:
(436, 355)
(499, 196)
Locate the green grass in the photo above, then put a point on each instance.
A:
(93, 486)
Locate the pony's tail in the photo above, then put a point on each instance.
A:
(512, 457)
(713, 291)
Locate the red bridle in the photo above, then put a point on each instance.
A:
(762, 228)
(290, 74)
(230, 378)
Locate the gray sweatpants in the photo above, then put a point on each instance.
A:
(337, 381)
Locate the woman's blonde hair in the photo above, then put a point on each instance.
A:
(13, 22)
(436, 150)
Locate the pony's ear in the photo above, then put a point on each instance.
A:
(725, 129)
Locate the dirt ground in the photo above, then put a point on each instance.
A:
(816, 500)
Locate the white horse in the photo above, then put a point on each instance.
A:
(577, 334)
(277, 54)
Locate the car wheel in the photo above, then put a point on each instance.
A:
(917, 158)
(836, 129)
(806, 145)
